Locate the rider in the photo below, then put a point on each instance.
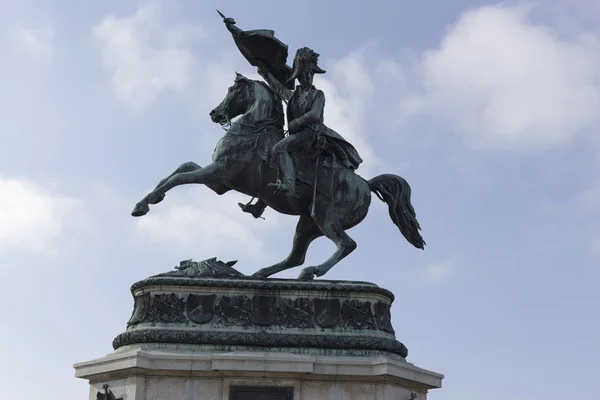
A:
(305, 121)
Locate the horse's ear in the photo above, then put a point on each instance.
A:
(239, 77)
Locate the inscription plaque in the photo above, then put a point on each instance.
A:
(260, 393)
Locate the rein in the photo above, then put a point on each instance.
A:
(260, 129)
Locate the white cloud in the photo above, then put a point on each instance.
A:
(147, 57)
(207, 224)
(438, 271)
(348, 90)
(144, 55)
(212, 80)
(36, 44)
(32, 218)
(506, 82)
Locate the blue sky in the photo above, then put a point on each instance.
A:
(489, 110)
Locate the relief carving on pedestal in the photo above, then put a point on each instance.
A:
(357, 314)
(140, 309)
(167, 308)
(264, 310)
(327, 312)
(200, 308)
(296, 313)
(261, 310)
(234, 311)
(383, 317)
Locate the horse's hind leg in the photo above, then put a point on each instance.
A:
(345, 245)
(306, 232)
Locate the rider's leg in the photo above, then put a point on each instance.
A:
(282, 152)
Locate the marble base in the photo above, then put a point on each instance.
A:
(178, 373)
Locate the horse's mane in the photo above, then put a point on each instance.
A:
(277, 101)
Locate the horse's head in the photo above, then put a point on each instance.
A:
(251, 97)
(237, 101)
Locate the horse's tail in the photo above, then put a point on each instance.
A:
(395, 192)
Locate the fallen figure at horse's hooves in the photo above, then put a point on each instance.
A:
(209, 268)
(337, 200)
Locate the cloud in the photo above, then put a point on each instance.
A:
(31, 217)
(36, 44)
(348, 90)
(438, 271)
(506, 82)
(207, 225)
(145, 56)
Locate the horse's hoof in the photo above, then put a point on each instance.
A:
(140, 209)
(307, 274)
(158, 198)
(260, 274)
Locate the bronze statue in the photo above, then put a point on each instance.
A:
(305, 121)
(316, 165)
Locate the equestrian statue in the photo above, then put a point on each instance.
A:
(308, 171)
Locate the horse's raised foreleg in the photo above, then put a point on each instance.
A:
(306, 232)
(212, 175)
(218, 187)
(345, 245)
(185, 167)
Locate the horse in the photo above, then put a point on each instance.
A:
(337, 200)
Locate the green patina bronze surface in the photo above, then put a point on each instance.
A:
(309, 171)
(244, 314)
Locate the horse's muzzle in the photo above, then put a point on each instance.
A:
(218, 117)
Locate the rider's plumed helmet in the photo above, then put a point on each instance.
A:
(305, 59)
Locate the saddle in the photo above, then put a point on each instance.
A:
(318, 151)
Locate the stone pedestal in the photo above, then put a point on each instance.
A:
(180, 374)
(241, 339)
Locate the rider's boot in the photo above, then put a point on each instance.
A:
(255, 209)
(287, 185)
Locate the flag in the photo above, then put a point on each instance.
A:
(261, 48)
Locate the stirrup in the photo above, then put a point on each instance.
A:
(280, 186)
(276, 186)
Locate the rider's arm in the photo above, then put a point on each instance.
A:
(277, 86)
(314, 115)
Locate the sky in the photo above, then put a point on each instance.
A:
(490, 110)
